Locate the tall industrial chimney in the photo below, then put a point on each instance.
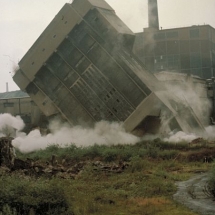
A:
(7, 87)
(153, 14)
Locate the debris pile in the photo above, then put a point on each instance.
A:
(62, 168)
(114, 168)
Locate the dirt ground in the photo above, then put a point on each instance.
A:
(194, 194)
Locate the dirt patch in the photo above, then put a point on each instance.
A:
(194, 194)
(150, 201)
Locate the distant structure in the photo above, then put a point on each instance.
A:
(19, 103)
(7, 87)
(153, 18)
(82, 68)
(187, 50)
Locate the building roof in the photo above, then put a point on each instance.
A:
(13, 94)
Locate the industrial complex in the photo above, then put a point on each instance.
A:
(88, 66)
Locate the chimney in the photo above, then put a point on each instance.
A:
(153, 14)
(7, 88)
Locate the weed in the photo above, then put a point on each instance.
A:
(145, 187)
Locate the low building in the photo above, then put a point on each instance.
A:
(188, 50)
(20, 103)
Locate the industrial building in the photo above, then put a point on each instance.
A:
(187, 50)
(179, 55)
(82, 67)
(19, 103)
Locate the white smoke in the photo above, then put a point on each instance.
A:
(63, 135)
(103, 133)
(124, 12)
(191, 91)
(10, 124)
(180, 136)
(211, 132)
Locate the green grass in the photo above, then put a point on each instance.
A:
(143, 149)
(146, 187)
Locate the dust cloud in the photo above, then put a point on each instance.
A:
(9, 125)
(180, 136)
(190, 91)
(63, 135)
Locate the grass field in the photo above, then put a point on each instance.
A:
(145, 187)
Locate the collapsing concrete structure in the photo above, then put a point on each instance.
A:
(82, 68)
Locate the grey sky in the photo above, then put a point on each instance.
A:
(22, 21)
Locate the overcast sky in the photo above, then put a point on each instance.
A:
(22, 21)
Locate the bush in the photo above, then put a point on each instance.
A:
(138, 164)
(7, 210)
(168, 154)
(110, 155)
(21, 195)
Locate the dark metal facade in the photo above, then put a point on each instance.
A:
(189, 50)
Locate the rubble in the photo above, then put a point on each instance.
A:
(113, 168)
(197, 141)
(64, 169)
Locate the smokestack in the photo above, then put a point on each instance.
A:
(7, 88)
(153, 14)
